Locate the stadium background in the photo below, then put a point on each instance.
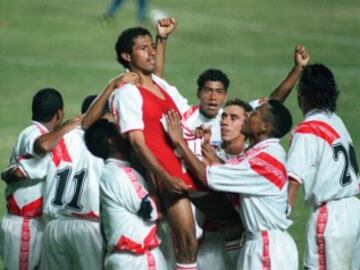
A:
(63, 44)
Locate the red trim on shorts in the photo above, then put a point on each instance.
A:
(270, 168)
(24, 244)
(266, 251)
(319, 129)
(320, 240)
(89, 215)
(30, 210)
(60, 153)
(186, 115)
(233, 245)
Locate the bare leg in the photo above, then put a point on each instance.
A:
(182, 223)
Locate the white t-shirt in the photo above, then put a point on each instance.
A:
(122, 192)
(322, 158)
(260, 177)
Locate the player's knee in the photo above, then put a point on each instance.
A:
(187, 245)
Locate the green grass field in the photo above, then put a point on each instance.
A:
(63, 44)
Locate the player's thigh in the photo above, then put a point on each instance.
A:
(19, 233)
(180, 215)
(56, 253)
(87, 245)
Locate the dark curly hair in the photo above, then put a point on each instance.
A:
(125, 42)
(213, 75)
(317, 84)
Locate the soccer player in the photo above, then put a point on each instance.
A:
(260, 177)
(322, 159)
(71, 200)
(128, 213)
(21, 229)
(138, 111)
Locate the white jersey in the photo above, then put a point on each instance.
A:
(130, 117)
(122, 192)
(72, 180)
(24, 198)
(260, 177)
(329, 171)
(193, 119)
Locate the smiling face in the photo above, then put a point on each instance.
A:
(212, 97)
(142, 57)
(231, 121)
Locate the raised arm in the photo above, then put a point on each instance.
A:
(164, 29)
(301, 58)
(47, 142)
(145, 155)
(96, 109)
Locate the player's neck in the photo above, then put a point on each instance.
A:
(234, 147)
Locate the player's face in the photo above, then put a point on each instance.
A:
(255, 124)
(142, 57)
(231, 121)
(212, 97)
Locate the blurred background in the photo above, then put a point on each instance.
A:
(69, 45)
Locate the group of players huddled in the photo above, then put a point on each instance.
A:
(143, 181)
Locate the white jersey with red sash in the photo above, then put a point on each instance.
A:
(21, 231)
(260, 177)
(71, 205)
(131, 240)
(322, 158)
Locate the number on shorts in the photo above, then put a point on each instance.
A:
(62, 177)
(350, 161)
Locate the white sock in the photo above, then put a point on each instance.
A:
(186, 266)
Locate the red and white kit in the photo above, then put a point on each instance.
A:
(322, 158)
(260, 177)
(71, 206)
(131, 240)
(138, 109)
(193, 119)
(21, 230)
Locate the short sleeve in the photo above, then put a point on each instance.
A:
(126, 106)
(301, 161)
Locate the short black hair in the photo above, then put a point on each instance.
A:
(279, 117)
(212, 75)
(87, 102)
(317, 84)
(45, 104)
(97, 138)
(240, 103)
(125, 42)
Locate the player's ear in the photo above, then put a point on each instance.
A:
(126, 56)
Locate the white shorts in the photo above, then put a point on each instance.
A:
(212, 254)
(333, 231)
(153, 260)
(21, 242)
(274, 249)
(72, 244)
